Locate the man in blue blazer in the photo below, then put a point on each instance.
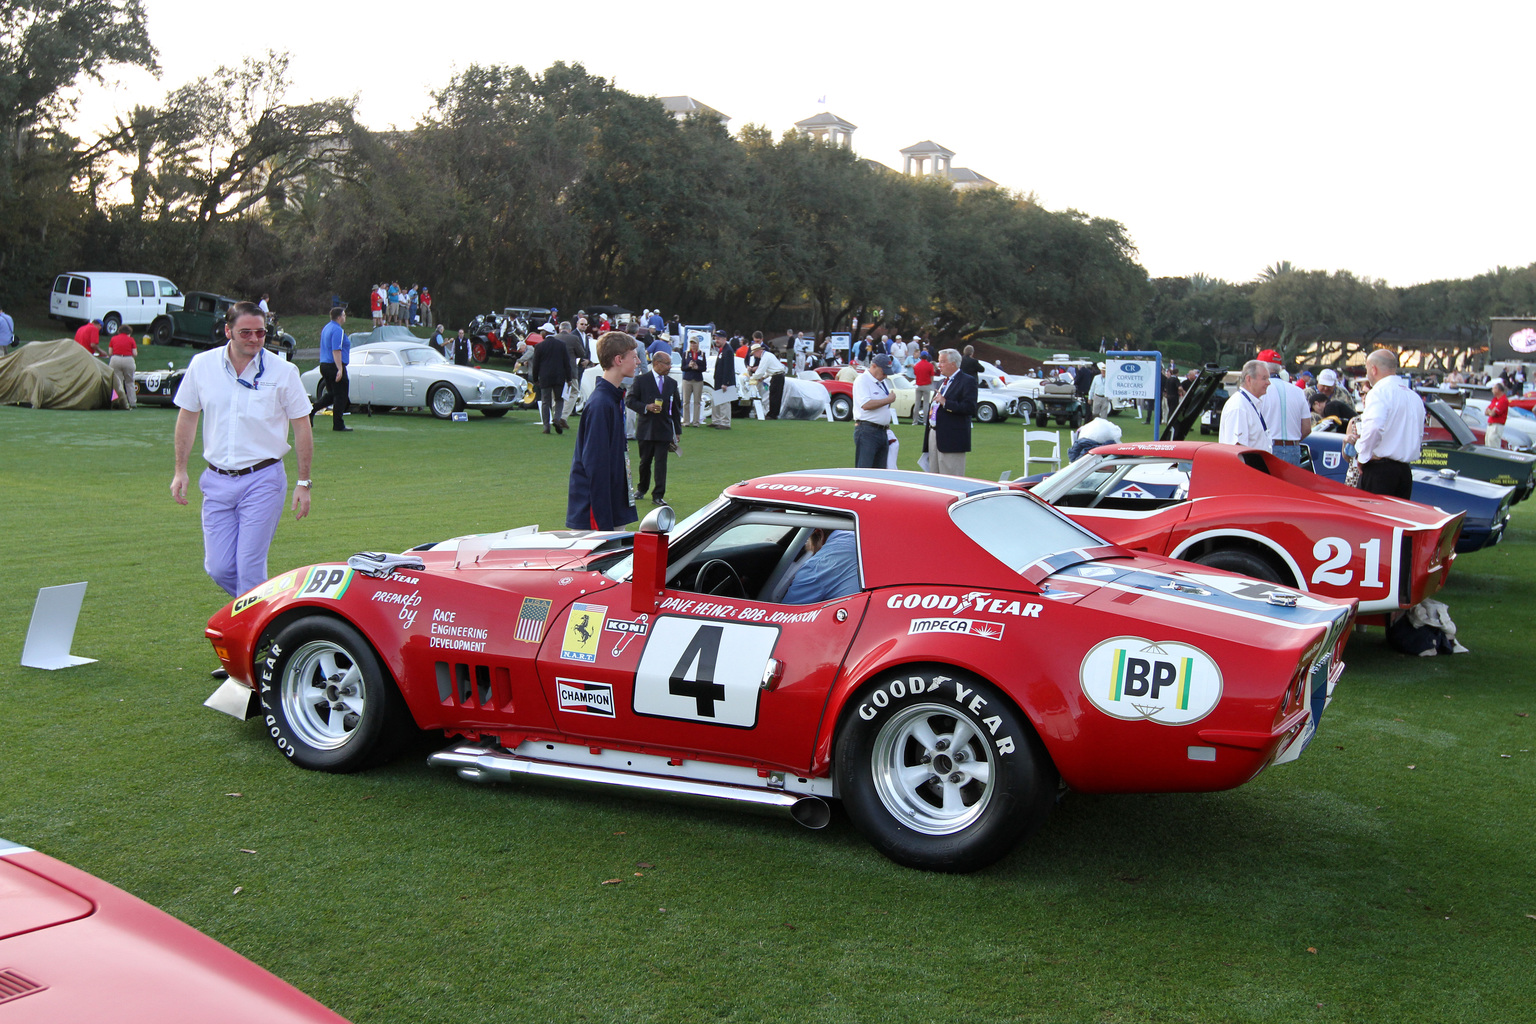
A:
(947, 436)
(655, 397)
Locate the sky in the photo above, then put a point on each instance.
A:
(1390, 140)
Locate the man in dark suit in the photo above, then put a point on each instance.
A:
(552, 369)
(655, 397)
(947, 438)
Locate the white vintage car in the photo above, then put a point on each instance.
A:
(408, 374)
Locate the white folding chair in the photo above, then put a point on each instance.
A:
(1052, 457)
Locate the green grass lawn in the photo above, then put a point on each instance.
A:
(1386, 876)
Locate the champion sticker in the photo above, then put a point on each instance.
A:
(970, 627)
(583, 698)
(1135, 679)
(581, 632)
(269, 589)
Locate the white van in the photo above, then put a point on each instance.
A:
(113, 298)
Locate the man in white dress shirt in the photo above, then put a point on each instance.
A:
(1287, 416)
(248, 400)
(1391, 429)
(1242, 418)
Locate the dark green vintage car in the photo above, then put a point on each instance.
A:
(200, 322)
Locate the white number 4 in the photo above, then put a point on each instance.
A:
(1334, 552)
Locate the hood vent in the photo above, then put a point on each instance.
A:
(14, 985)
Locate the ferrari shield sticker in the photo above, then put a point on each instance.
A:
(582, 629)
(531, 618)
(329, 581)
(1168, 682)
(703, 670)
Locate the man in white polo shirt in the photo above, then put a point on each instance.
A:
(872, 398)
(248, 399)
(1242, 421)
(1287, 415)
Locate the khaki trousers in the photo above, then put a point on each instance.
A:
(693, 402)
(947, 463)
(122, 378)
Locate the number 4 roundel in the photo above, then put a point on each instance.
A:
(703, 670)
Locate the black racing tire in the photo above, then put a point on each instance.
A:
(842, 408)
(950, 723)
(439, 403)
(1025, 409)
(326, 701)
(493, 414)
(986, 412)
(162, 331)
(1242, 562)
(111, 323)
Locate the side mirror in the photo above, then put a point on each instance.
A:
(650, 562)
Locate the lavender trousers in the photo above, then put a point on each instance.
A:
(240, 516)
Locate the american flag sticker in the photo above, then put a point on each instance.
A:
(531, 619)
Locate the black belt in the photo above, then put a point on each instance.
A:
(870, 423)
(248, 469)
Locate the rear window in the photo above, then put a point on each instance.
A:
(77, 286)
(1017, 529)
(61, 284)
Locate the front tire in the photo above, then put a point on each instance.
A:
(493, 414)
(444, 400)
(162, 332)
(479, 352)
(326, 701)
(842, 408)
(941, 772)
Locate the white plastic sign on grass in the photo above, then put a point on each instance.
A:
(53, 628)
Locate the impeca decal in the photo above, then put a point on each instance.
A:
(268, 590)
(531, 618)
(1135, 679)
(970, 627)
(583, 698)
(582, 629)
(937, 688)
(327, 581)
(980, 601)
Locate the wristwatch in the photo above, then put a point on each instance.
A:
(301, 483)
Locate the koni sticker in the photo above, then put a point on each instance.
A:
(1133, 678)
(531, 618)
(970, 627)
(627, 629)
(328, 581)
(582, 629)
(584, 698)
(269, 589)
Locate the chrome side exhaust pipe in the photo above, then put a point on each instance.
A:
(481, 764)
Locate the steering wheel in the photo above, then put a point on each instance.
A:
(729, 579)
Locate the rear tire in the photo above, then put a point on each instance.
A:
(478, 352)
(111, 324)
(1243, 562)
(986, 412)
(842, 408)
(1026, 408)
(941, 772)
(326, 701)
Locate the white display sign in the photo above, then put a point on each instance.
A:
(839, 342)
(1130, 378)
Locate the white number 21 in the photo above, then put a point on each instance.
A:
(1334, 554)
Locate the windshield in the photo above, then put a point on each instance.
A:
(422, 356)
(625, 567)
(1065, 480)
(1017, 530)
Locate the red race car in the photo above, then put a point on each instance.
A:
(786, 645)
(73, 948)
(1246, 511)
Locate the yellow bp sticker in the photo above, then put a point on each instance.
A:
(276, 585)
(581, 631)
(1132, 678)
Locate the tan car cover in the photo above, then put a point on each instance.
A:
(56, 375)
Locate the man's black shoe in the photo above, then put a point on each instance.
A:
(340, 429)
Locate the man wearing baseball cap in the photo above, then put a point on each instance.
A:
(872, 398)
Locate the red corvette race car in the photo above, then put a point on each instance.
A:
(1246, 511)
(941, 698)
(73, 948)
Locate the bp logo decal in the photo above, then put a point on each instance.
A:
(1132, 678)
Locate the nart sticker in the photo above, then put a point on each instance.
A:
(1132, 678)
